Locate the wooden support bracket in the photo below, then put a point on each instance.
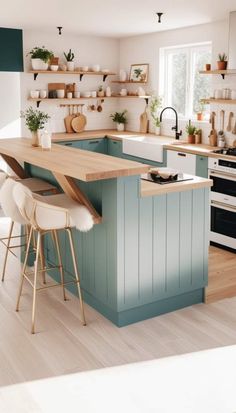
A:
(15, 166)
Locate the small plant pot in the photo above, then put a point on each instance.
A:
(101, 93)
(198, 138)
(35, 138)
(191, 138)
(199, 116)
(222, 65)
(208, 66)
(70, 66)
(157, 130)
(38, 64)
(120, 127)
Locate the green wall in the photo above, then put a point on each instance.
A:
(11, 50)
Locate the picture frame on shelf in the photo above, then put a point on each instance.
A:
(139, 73)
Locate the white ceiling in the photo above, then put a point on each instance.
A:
(115, 18)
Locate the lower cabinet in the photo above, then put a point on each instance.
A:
(188, 163)
(114, 148)
(95, 145)
(202, 166)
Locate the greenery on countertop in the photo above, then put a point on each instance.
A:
(34, 119)
(155, 104)
(41, 53)
(119, 117)
(69, 56)
(222, 57)
(190, 129)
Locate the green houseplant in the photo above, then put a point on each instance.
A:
(222, 62)
(35, 120)
(190, 129)
(120, 119)
(40, 57)
(70, 60)
(155, 105)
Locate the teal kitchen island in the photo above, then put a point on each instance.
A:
(148, 254)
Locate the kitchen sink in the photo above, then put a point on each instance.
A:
(146, 147)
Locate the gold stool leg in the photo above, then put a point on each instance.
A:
(7, 250)
(23, 269)
(76, 275)
(35, 282)
(42, 260)
(57, 245)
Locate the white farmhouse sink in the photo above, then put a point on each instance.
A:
(146, 147)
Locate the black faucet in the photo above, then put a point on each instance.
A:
(177, 134)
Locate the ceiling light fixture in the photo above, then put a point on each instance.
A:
(159, 17)
(59, 29)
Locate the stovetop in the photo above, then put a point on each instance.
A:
(226, 151)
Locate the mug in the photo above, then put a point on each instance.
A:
(43, 94)
(94, 94)
(34, 94)
(96, 68)
(77, 94)
(123, 92)
(60, 93)
(69, 95)
(233, 94)
(218, 94)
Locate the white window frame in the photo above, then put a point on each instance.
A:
(164, 89)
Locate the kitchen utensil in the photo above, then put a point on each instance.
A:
(143, 128)
(68, 120)
(229, 127)
(222, 120)
(234, 129)
(79, 122)
(213, 133)
(99, 107)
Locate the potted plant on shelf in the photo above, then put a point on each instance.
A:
(70, 60)
(40, 58)
(120, 119)
(155, 105)
(222, 62)
(190, 129)
(200, 110)
(101, 92)
(35, 120)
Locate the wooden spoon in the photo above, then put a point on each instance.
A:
(229, 127)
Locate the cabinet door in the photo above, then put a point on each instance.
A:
(202, 166)
(95, 145)
(73, 144)
(183, 162)
(115, 148)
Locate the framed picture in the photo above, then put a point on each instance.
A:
(139, 73)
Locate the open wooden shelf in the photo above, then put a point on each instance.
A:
(128, 81)
(218, 72)
(51, 100)
(223, 101)
(74, 72)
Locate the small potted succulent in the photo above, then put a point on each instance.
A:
(222, 62)
(190, 129)
(40, 58)
(120, 119)
(155, 105)
(101, 92)
(35, 120)
(70, 60)
(200, 110)
(198, 136)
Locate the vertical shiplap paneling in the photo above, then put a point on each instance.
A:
(185, 253)
(172, 242)
(131, 236)
(100, 262)
(145, 250)
(159, 219)
(198, 235)
(121, 247)
(206, 233)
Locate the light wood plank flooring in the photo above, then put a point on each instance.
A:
(62, 345)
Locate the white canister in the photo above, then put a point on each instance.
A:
(60, 93)
(77, 94)
(96, 68)
(108, 91)
(123, 75)
(123, 92)
(69, 95)
(34, 94)
(226, 94)
(218, 94)
(46, 140)
(233, 94)
(43, 94)
(94, 93)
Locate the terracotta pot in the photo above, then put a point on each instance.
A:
(191, 138)
(222, 65)
(208, 66)
(200, 116)
(198, 138)
(35, 138)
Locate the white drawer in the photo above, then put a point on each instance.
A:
(183, 162)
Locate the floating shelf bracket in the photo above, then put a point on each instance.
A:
(38, 103)
(104, 77)
(223, 76)
(146, 100)
(35, 76)
(81, 76)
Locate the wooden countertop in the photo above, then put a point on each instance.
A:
(198, 149)
(152, 189)
(95, 134)
(73, 162)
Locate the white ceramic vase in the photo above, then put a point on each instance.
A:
(123, 75)
(108, 91)
(70, 66)
(38, 64)
(157, 130)
(120, 127)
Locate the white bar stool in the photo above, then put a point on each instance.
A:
(10, 208)
(56, 212)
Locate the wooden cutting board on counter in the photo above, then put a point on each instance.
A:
(143, 128)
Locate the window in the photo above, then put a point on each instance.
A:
(181, 85)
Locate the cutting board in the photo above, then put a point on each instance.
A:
(78, 123)
(143, 128)
(56, 86)
(68, 119)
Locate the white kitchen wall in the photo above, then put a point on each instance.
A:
(88, 51)
(9, 104)
(145, 49)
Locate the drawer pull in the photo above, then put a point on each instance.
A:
(93, 142)
(68, 144)
(181, 154)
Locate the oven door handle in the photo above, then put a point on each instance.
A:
(222, 175)
(221, 205)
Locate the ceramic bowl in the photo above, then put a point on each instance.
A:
(54, 68)
(85, 68)
(86, 94)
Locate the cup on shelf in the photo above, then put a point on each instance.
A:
(233, 94)
(43, 94)
(94, 93)
(34, 94)
(69, 95)
(123, 92)
(54, 68)
(77, 94)
(85, 68)
(218, 94)
(96, 68)
(60, 93)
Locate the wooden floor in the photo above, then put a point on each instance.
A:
(62, 345)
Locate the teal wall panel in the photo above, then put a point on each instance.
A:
(185, 250)
(159, 239)
(11, 50)
(202, 166)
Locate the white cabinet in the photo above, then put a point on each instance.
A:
(183, 162)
